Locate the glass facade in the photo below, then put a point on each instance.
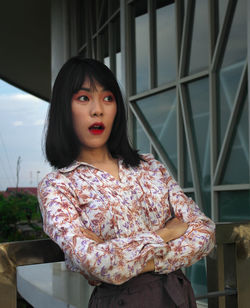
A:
(183, 68)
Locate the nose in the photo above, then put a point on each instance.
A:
(96, 108)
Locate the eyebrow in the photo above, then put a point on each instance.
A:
(89, 89)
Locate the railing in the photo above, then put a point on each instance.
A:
(228, 266)
(22, 253)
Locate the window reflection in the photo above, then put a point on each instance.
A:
(200, 38)
(222, 6)
(234, 205)
(237, 168)
(236, 49)
(107, 62)
(160, 111)
(199, 114)
(188, 179)
(229, 78)
(231, 68)
(166, 44)
(119, 68)
(142, 52)
(142, 142)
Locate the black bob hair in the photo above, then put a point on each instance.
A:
(62, 146)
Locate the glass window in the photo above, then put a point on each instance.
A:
(234, 205)
(166, 44)
(188, 179)
(237, 169)
(101, 8)
(160, 112)
(142, 48)
(222, 6)
(236, 49)
(197, 274)
(142, 142)
(232, 65)
(107, 62)
(200, 38)
(114, 5)
(119, 68)
(199, 113)
(229, 78)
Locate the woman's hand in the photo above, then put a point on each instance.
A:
(174, 229)
(91, 235)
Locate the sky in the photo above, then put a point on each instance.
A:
(22, 118)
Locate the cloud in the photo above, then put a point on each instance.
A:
(18, 123)
(22, 117)
(39, 122)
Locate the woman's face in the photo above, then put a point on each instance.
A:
(93, 112)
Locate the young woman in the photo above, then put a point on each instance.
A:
(120, 218)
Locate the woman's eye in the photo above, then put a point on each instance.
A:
(83, 98)
(108, 98)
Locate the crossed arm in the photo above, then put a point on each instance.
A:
(173, 229)
(183, 240)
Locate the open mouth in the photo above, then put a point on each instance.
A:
(97, 128)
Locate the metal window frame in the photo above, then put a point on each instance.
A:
(217, 45)
(184, 23)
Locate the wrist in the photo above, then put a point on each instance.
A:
(166, 234)
(149, 267)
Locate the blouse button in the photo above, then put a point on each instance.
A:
(120, 302)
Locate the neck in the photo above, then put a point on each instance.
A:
(95, 156)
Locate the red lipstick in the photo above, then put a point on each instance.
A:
(97, 128)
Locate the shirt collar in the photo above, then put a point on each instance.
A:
(75, 164)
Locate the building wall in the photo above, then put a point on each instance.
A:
(183, 67)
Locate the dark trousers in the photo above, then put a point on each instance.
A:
(149, 290)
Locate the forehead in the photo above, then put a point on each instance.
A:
(92, 85)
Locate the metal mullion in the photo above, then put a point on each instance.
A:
(127, 29)
(248, 59)
(186, 38)
(81, 48)
(73, 11)
(194, 76)
(213, 120)
(190, 145)
(213, 25)
(188, 189)
(87, 27)
(152, 44)
(98, 18)
(99, 52)
(230, 187)
(179, 12)
(112, 44)
(223, 35)
(152, 150)
(91, 22)
(231, 124)
(213, 126)
(153, 91)
(180, 142)
(106, 23)
(151, 136)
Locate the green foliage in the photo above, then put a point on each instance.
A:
(16, 211)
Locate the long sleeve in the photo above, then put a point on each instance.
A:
(199, 238)
(114, 261)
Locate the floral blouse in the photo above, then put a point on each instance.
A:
(125, 213)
